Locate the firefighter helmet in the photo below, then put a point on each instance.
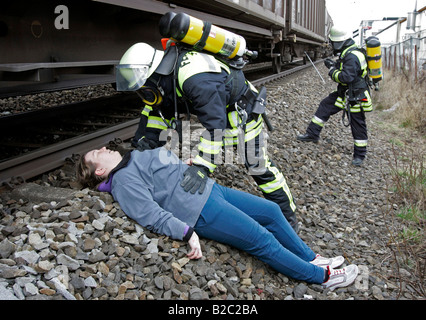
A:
(137, 64)
(340, 38)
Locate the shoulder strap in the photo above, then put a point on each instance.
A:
(362, 58)
(168, 63)
(194, 62)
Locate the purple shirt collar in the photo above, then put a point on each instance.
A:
(105, 186)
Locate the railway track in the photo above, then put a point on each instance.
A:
(67, 130)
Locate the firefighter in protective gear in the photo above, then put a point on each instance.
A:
(217, 94)
(352, 95)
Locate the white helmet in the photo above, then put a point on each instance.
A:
(340, 38)
(137, 64)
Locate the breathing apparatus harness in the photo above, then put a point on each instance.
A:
(185, 32)
(248, 103)
(373, 57)
(347, 110)
(349, 93)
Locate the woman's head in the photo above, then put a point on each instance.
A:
(95, 166)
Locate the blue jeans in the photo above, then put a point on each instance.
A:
(257, 226)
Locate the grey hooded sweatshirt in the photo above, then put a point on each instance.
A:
(147, 187)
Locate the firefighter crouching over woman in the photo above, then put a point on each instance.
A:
(182, 79)
(350, 72)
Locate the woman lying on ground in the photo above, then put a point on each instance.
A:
(147, 185)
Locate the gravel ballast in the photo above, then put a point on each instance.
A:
(70, 244)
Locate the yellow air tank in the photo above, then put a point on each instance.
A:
(374, 58)
(202, 35)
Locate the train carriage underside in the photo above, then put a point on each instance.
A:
(56, 44)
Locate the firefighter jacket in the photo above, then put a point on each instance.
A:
(210, 88)
(350, 74)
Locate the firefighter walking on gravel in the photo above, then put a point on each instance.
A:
(178, 80)
(352, 95)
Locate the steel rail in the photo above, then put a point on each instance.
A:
(49, 158)
(282, 74)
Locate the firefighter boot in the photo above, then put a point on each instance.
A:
(357, 162)
(307, 138)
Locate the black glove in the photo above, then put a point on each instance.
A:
(329, 63)
(146, 144)
(195, 178)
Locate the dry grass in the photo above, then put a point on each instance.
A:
(406, 186)
(404, 98)
(401, 103)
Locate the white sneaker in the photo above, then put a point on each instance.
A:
(340, 277)
(324, 262)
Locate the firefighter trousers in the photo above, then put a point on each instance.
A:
(268, 177)
(358, 124)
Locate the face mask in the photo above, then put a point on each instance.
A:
(131, 77)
